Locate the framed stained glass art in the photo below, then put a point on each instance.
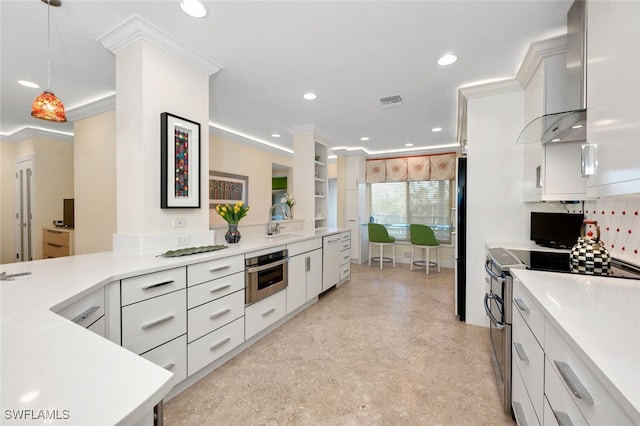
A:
(180, 162)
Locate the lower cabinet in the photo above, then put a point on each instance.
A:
(305, 273)
(264, 313)
(171, 356)
(88, 312)
(212, 346)
(333, 247)
(522, 408)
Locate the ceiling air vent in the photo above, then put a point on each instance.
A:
(391, 101)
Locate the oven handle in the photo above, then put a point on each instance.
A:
(492, 274)
(255, 269)
(499, 324)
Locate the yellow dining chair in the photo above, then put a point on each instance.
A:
(378, 235)
(422, 237)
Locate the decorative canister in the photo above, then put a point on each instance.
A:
(589, 255)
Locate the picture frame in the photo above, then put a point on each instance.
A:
(179, 162)
(227, 188)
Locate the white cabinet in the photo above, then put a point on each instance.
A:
(335, 268)
(355, 202)
(522, 408)
(305, 272)
(264, 313)
(321, 186)
(613, 87)
(88, 312)
(212, 346)
(171, 356)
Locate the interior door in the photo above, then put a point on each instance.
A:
(24, 238)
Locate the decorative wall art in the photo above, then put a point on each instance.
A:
(227, 188)
(180, 162)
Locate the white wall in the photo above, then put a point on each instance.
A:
(7, 156)
(495, 211)
(95, 188)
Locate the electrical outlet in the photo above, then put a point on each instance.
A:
(182, 240)
(180, 223)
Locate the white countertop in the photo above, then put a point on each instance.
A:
(49, 363)
(602, 317)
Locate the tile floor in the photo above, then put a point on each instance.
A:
(382, 349)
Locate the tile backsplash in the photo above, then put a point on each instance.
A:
(619, 221)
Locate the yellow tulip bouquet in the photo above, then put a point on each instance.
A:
(232, 214)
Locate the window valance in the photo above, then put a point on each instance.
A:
(409, 169)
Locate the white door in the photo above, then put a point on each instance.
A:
(24, 237)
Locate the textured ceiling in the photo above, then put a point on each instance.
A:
(349, 53)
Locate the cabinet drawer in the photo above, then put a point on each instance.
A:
(153, 322)
(210, 316)
(558, 401)
(54, 250)
(87, 310)
(345, 271)
(528, 357)
(172, 356)
(522, 407)
(262, 314)
(213, 345)
(99, 326)
(597, 405)
(151, 285)
(530, 310)
(207, 271)
(345, 257)
(345, 245)
(304, 246)
(215, 289)
(345, 236)
(52, 236)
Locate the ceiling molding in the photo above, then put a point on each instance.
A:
(350, 152)
(108, 103)
(536, 53)
(236, 136)
(34, 132)
(491, 88)
(135, 29)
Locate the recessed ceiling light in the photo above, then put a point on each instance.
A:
(193, 8)
(309, 96)
(364, 138)
(26, 83)
(436, 129)
(555, 140)
(275, 135)
(577, 126)
(408, 144)
(447, 59)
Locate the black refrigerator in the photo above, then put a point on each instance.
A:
(461, 237)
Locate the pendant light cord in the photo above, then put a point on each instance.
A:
(48, 44)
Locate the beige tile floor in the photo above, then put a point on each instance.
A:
(382, 349)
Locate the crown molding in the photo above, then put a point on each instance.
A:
(108, 103)
(538, 51)
(35, 132)
(491, 88)
(243, 138)
(136, 29)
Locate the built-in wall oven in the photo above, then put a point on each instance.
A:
(266, 274)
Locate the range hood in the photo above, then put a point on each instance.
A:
(569, 125)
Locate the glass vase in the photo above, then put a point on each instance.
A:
(233, 235)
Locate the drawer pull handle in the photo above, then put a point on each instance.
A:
(220, 343)
(519, 413)
(523, 306)
(522, 354)
(270, 311)
(219, 314)
(169, 366)
(54, 232)
(563, 419)
(222, 287)
(575, 386)
(150, 286)
(54, 245)
(83, 316)
(158, 321)
(219, 268)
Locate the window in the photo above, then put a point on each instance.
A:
(398, 204)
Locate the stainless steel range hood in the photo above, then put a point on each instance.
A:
(569, 125)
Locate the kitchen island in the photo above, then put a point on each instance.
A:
(590, 324)
(54, 371)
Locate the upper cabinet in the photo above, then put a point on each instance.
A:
(551, 171)
(613, 105)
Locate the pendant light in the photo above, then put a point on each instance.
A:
(47, 106)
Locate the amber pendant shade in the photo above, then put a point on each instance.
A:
(48, 107)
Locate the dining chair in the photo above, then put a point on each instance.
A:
(378, 235)
(422, 237)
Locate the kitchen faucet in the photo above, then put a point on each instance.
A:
(276, 228)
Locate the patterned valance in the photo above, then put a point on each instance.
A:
(409, 169)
